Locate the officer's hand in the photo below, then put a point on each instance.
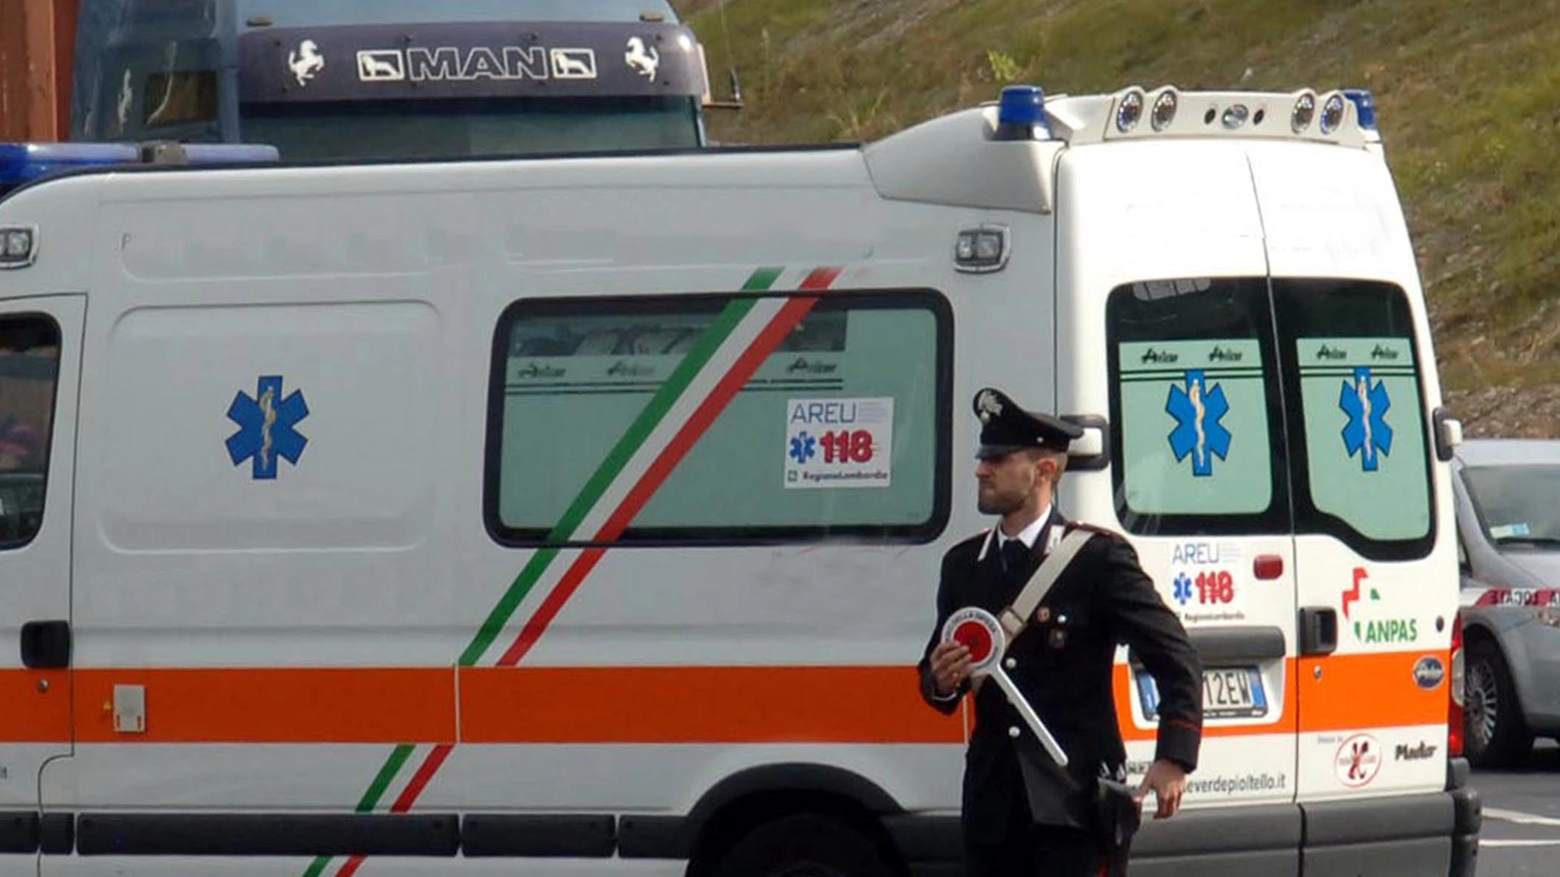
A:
(950, 665)
(1167, 781)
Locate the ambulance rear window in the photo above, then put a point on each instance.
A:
(29, 366)
(1233, 396)
(720, 419)
(1193, 407)
(1361, 465)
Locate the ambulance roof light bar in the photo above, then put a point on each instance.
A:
(25, 162)
(1343, 117)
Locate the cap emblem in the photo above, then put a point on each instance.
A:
(989, 406)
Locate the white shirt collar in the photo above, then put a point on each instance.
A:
(1028, 535)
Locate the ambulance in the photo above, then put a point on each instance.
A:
(583, 515)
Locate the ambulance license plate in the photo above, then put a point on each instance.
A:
(1228, 693)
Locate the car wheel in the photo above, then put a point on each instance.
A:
(1497, 734)
(804, 845)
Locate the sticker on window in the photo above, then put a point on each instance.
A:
(839, 442)
(1194, 426)
(1365, 445)
(1509, 531)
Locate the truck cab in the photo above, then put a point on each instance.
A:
(394, 79)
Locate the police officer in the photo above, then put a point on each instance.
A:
(1022, 813)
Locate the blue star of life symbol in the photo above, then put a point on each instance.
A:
(1367, 432)
(266, 422)
(1198, 432)
(1183, 588)
(803, 447)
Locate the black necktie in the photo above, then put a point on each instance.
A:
(1015, 557)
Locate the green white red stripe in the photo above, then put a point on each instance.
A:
(746, 332)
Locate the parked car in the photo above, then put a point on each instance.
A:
(1508, 522)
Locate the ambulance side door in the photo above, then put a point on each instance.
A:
(40, 352)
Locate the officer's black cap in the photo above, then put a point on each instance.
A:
(1005, 427)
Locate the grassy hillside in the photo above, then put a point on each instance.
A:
(1467, 96)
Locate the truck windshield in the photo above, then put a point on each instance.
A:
(1517, 503)
(446, 128)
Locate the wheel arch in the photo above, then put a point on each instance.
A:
(755, 796)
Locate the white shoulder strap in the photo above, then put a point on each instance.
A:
(1017, 615)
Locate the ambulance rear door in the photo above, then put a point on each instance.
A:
(1377, 576)
(1165, 336)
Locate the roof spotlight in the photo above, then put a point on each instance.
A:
(1164, 110)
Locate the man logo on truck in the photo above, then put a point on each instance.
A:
(573, 64)
(381, 65)
(449, 63)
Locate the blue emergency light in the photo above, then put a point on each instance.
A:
(1021, 113)
(25, 162)
(1364, 106)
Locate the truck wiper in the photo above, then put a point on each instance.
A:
(1527, 540)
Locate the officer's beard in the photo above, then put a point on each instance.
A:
(996, 502)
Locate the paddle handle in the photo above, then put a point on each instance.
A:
(1033, 721)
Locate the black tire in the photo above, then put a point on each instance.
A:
(1497, 733)
(804, 845)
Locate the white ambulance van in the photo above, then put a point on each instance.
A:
(583, 515)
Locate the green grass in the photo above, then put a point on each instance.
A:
(1467, 95)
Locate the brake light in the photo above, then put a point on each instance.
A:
(1268, 566)
(1454, 718)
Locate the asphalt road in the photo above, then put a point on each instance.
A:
(1521, 836)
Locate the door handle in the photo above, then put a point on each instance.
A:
(46, 645)
(1318, 630)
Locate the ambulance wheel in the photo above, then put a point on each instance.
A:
(1497, 735)
(804, 845)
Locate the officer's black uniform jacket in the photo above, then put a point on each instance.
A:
(1063, 665)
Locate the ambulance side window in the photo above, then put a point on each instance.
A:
(1361, 464)
(720, 419)
(1194, 402)
(29, 367)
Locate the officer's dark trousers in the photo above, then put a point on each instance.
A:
(1030, 850)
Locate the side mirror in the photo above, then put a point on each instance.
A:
(1448, 433)
(1091, 451)
(708, 99)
